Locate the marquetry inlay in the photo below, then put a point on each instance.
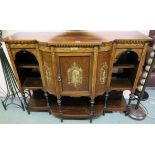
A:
(48, 74)
(75, 75)
(103, 73)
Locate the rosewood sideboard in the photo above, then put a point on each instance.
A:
(77, 74)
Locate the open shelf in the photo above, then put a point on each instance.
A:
(79, 108)
(28, 66)
(37, 104)
(28, 70)
(121, 84)
(37, 101)
(25, 57)
(32, 83)
(76, 108)
(124, 70)
(116, 102)
(123, 66)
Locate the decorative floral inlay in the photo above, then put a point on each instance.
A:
(75, 75)
(103, 73)
(48, 74)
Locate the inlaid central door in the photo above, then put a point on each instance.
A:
(74, 73)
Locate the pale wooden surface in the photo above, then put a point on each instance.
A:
(76, 36)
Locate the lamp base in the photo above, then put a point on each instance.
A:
(144, 97)
(136, 114)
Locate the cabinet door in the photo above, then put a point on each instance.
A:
(48, 73)
(74, 73)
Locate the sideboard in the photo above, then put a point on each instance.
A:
(77, 74)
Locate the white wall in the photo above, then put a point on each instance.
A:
(146, 32)
(3, 87)
(2, 80)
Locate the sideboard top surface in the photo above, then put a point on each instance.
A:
(76, 36)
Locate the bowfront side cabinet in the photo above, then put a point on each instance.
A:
(77, 74)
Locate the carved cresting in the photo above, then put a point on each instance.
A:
(75, 75)
(48, 74)
(103, 73)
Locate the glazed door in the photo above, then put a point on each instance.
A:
(74, 73)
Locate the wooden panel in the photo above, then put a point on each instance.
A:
(131, 45)
(47, 69)
(22, 45)
(102, 71)
(75, 73)
(73, 49)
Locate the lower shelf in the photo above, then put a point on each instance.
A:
(121, 84)
(37, 104)
(116, 102)
(79, 108)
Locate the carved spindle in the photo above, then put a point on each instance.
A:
(47, 101)
(105, 103)
(60, 109)
(91, 109)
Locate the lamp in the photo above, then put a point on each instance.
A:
(136, 111)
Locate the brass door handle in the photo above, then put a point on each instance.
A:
(59, 78)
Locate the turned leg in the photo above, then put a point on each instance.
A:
(60, 109)
(105, 103)
(47, 101)
(132, 97)
(91, 109)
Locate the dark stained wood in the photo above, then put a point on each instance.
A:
(121, 84)
(79, 108)
(32, 83)
(116, 102)
(28, 66)
(124, 66)
(37, 104)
